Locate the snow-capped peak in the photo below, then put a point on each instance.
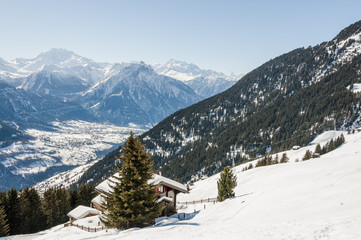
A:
(205, 82)
(55, 56)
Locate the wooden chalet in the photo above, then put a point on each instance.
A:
(167, 191)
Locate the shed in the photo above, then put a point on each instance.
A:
(82, 212)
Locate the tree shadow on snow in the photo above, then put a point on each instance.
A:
(178, 219)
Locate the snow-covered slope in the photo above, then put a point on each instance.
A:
(315, 199)
(205, 82)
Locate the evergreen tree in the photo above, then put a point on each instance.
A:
(226, 184)
(33, 218)
(318, 149)
(307, 155)
(14, 212)
(132, 199)
(73, 198)
(331, 146)
(62, 201)
(284, 158)
(275, 161)
(86, 194)
(50, 207)
(4, 226)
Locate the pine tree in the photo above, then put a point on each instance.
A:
(33, 217)
(14, 212)
(62, 201)
(226, 184)
(318, 149)
(50, 207)
(4, 226)
(74, 198)
(275, 161)
(86, 194)
(132, 199)
(307, 155)
(284, 158)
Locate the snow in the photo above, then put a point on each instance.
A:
(63, 179)
(206, 83)
(315, 199)
(98, 200)
(157, 179)
(356, 87)
(71, 143)
(81, 211)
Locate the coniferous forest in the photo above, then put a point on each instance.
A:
(26, 211)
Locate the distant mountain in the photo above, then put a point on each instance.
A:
(206, 83)
(136, 94)
(54, 81)
(286, 101)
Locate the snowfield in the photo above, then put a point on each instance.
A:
(315, 199)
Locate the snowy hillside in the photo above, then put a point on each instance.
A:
(315, 199)
(205, 82)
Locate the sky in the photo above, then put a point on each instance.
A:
(226, 36)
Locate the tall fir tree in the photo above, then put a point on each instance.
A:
(284, 158)
(33, 217)
(226, 184)
(14, 212)
(49, 204)
(4, 226)
(132, 199)
(307, 156)
(73, 198)
(86, 194)
(318, 149)
(63, 203)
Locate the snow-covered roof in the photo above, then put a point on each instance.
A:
(156, 179)
(82, 211)
(98, 200)
(164, 198)
(105, 185)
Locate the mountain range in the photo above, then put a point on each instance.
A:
(120, 93)
(50, 102)
(285, 102)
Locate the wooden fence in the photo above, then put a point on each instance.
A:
(89, 229)
(207, 200)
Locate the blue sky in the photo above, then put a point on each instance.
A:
(223, 35)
